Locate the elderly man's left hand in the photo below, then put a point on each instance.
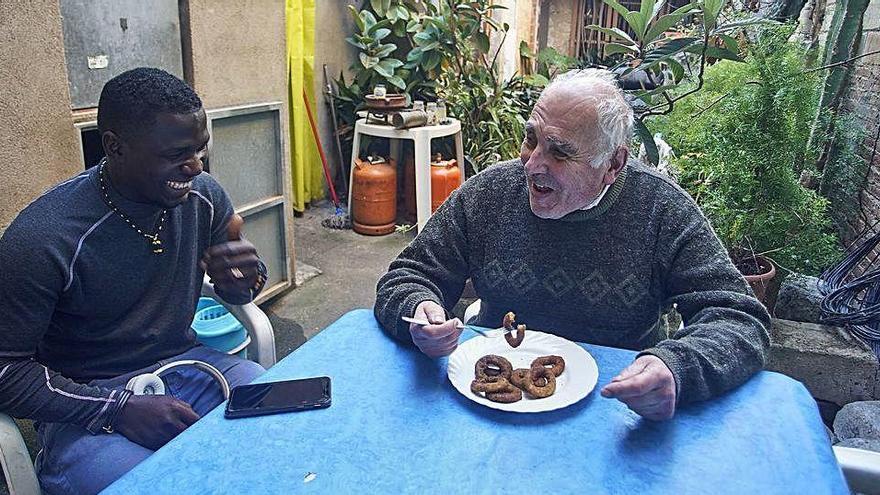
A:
(233, 265)
(647, 386)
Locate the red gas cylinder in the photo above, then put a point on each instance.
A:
(445, 178)
(374, 197)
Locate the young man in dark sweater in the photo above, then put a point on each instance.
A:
(581, 242)
(99, 280)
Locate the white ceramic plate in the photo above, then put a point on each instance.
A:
(575, 383)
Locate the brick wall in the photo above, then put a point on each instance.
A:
(860, 210)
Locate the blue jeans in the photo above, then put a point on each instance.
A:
(75, 461)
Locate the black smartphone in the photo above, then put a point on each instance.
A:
(277, 397)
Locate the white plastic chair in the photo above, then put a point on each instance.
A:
(861, 468)
(21, 478)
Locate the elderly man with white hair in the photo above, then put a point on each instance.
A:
(581, 241)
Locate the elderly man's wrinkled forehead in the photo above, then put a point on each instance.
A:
(575, 98)
(569, 112)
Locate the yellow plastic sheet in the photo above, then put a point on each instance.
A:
(308, 181)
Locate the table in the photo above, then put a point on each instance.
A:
(397, 426)
(421, 137)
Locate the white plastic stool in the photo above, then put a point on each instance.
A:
(421, 136)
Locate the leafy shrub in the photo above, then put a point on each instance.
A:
(741, 143)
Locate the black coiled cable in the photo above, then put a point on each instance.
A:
(852, 290)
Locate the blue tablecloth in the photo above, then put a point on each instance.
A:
(398, 426)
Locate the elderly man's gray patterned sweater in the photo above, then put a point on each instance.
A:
(601, 275)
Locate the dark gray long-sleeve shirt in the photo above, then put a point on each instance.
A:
(601, 275)
(83, 297)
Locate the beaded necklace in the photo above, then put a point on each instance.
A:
(153, 239)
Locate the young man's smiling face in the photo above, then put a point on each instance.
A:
(561, 142)
(158, 165)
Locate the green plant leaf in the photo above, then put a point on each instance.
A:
(537, 80)
(369, 19)
(647, 139)
(614, 48)
(431, 60)
(676, 68)
(481, 40)
(716, 52)
(664, 23)
(753, 21)
(377, 6)
(666, 51)
(385, 50)
(381, 34)
(412, 26)
(656, 91)
(646, 9)
(402, 13)
(415, 55)
(396, 82)
(391, 14)
(658, 7)
(730, 42)
(613, 32)
(386, 67)
(422, 38)
(620, 9)
(711, 9)
(384, 23)
(355, 43)
(358, 21)
(386, 5)
(638, 23)
(524, 50)
(399, 29)
(367, 61)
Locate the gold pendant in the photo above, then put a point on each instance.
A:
(157, 246)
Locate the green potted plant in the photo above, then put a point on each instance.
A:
(741, 145)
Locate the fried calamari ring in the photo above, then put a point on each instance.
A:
(556, 363)
(497, 389)
(483, 370)
(519, 377)
(512, 395)
(541, 383)
(492, 384)
(509, 319)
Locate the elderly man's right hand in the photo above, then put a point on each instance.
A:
(153, 420)
(439, 338)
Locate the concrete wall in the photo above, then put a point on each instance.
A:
(38, 145)
(555, 27)
(238, 51)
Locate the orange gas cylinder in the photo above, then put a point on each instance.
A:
(374, 197)
(445, 178)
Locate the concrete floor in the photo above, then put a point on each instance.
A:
(350, 264)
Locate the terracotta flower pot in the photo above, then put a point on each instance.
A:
(760, 281)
